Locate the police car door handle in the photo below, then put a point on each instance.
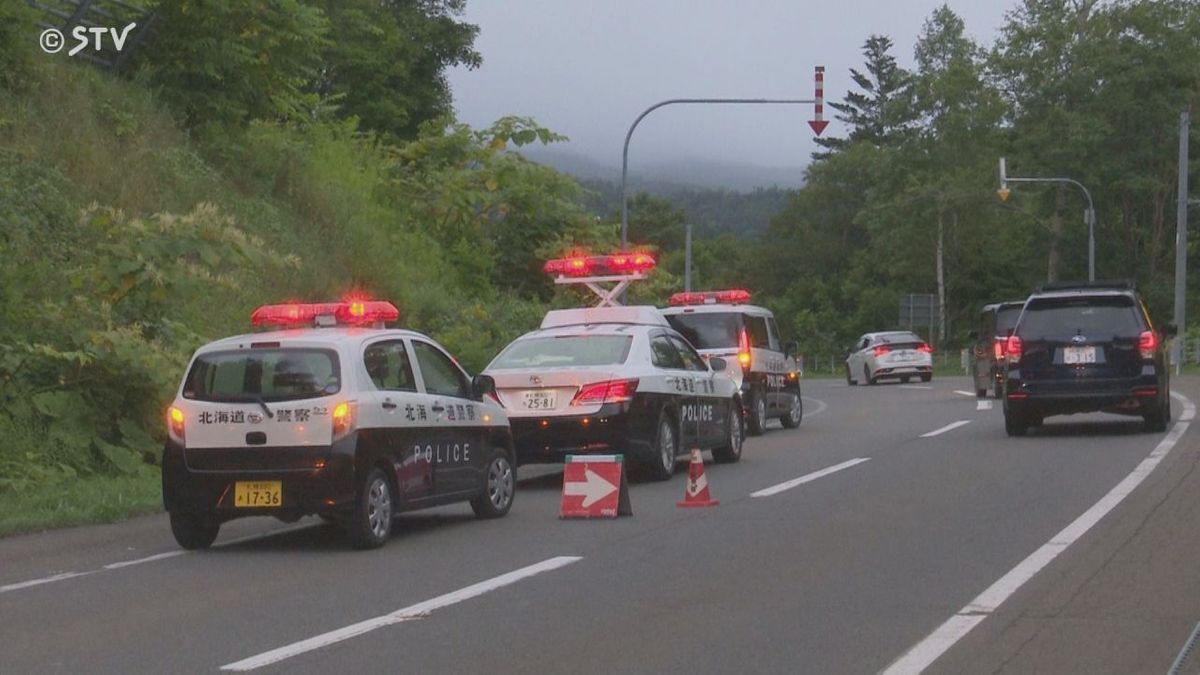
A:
(388, 404)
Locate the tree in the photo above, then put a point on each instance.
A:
(879, 112)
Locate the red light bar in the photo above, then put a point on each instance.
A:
(730, 297)
(586, 266)
(300, 314)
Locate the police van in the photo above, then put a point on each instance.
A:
(746, 338)
(614, 379)
(329, 413)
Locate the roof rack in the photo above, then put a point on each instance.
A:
(1112, 284)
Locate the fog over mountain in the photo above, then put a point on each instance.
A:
(663, 175)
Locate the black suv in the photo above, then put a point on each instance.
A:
(1085, 347)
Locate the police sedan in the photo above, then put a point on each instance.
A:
(331, 415)
(616, 379)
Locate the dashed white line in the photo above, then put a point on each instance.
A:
(925, 652)
(915, 386)
(409, 613)
(960, 392)
(788, 485)
(983, 404)
(949, 427)
(44, 580)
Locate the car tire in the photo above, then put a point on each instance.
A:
(735, 435)
(981, 393)
(1156, 421)
(371, 522)
(926, 377)
(850, 380)
(499, 487)
(666, 449)
(194, 531)
(1015, 424)
(867, 376)
(756, 423)
(998, 390)
(795, 414)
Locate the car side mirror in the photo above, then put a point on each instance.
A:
(717, 364)
(483, 385)
(791, 347)
(1170, 330)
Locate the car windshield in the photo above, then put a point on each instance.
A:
(263, 375)
(564, 351)
(1006, 319)
(710, 330)
(1096, 317)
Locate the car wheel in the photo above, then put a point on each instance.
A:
(758, 414)
(194, 531)
(371, 522)
(795, 413)
(666, 449)
(734, 435)
(1156, 421)
(499, 489)
(981, 393)
(1015, 424)
(867, 375)
(926, 377)
(998, 390)
(849, 380)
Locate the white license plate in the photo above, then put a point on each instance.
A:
(1076, 355)
(539, 400)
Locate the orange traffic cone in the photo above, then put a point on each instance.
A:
(696, 492)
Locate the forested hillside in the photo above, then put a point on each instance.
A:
(301, 149)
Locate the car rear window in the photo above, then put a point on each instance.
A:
(564, 351)
(263, 374)
(710, 330)
(1095, 317)
(898, 338)
(1006, 319)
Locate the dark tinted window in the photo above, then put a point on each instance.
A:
(387, 364)
(756, 326)
(773, 329)
(691, 360)
(564, 351)
(715, 330)
(269, 374)
(439, 372)
(1006, 319)
(1096, 317)
(664, 354)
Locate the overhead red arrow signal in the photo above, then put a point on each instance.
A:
(818, 124)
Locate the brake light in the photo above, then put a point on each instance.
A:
(175, 422)
(1012, 349)
(585, 266)
(729, 297)
(1148, 344)
(880, 350)
(343, 418)
(302, 314)
(745, 356)
(998, 348)
(924, 347)
(611, 391)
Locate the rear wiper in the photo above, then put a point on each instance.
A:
(257, 398)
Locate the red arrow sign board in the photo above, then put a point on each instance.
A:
(594, 487)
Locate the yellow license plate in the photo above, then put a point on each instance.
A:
(257, 494)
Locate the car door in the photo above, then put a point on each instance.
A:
(680, 385)
(855, 359)
(396, 418)
(710, 406)
(457, 452)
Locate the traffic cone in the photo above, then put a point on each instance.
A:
(696, 492)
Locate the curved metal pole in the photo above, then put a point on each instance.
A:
(656, 106)
(1091, 215)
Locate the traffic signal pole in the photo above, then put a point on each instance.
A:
(1089, 216)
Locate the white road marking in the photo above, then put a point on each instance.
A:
(983, 404)
(409, 613)
(821, 406)
(925, 652)
(807, 478)
(139, 561)
(915, 386)
(949, 427)
(44, 580)
(960, 392)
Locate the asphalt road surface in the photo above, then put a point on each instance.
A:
(918, 536)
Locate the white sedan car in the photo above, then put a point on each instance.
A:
(894, 355)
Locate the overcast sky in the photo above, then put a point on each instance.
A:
(586, 68)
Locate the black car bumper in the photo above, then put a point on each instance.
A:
(313, 479)
(1131, 396)
(616, 428)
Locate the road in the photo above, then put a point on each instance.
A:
(913, 503)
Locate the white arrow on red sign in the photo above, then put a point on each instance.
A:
(592, 489)
(818, 122)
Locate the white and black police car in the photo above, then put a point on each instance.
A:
(334, 415)
(614, 380)
(746, 337)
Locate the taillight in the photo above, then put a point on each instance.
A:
(997, 349)
(924, 347)
(744, 354)
(343, 418)
(175, 422)
(611, 391)
(1148, 344)
(1012, 349)
(882, 349)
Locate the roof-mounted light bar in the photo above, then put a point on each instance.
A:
(729, 297)
(620, 264)
(352, 312)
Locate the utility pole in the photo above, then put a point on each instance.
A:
(1181, 215)
(687, 263)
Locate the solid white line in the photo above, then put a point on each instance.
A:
(149, 558)
(949, 427)
(44, 580)
(915, 386)
(983, 405)
(821, 406)
(964, 393)
(411, 612)
(925, 652)
(788, 485)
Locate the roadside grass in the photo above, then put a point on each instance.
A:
(82, 501)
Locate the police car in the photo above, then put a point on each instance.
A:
(615, 379)
(331, 414)
(746, 337)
